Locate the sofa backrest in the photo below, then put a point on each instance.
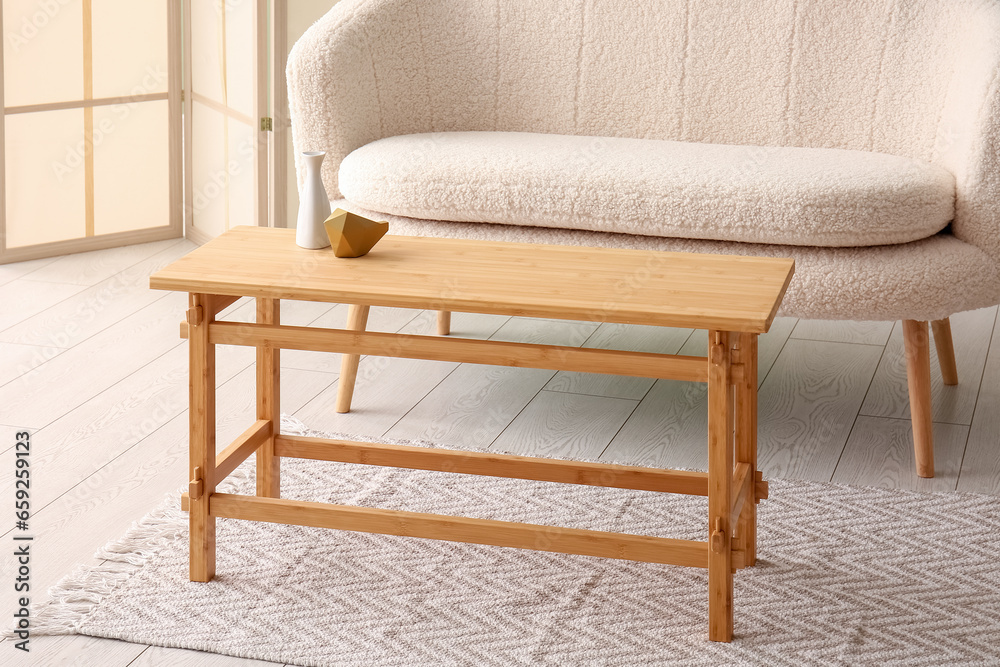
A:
(909, 77)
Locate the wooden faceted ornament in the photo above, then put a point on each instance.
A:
(353, 235)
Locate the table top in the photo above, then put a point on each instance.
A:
(649, 287)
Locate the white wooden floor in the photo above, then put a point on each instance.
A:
(91, 363)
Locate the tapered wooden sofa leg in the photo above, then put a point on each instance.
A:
(444, 322)
(357, 320)
(945, 350)
(916, 340)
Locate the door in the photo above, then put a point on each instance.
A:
(226, 115)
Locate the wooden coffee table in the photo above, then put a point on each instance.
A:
(735, 298)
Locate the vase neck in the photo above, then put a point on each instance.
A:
(313, 160)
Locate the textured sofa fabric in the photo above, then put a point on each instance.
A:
(794, 196)
(916, 79)
(875, 283)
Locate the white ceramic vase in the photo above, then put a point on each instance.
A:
(314, 205)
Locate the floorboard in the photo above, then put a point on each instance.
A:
(838, 331)
(807, 406)
(545, 332)
(475, 403)
(561, 425)
(981, 467)
(79, 374)
(9, 272)
(20, 360)
(99, 430)
(22, 299)
(471, 406)
(90, 268)
(889, 396)
(71, 651)
(157, 656)
(879, 453)
(386, 389)
(670, 427)
(104, 503)
(96, 308)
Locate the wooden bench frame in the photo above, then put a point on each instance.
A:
(733, 484)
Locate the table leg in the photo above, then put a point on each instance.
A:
(746, 440)
(720, 482)
(201, 421)
(269, 402)
(357, 320)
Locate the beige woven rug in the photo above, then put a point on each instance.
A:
(847, 576)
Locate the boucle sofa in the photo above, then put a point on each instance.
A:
(860, 138)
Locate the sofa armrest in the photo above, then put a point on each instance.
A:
(968, 141)
(333, 92)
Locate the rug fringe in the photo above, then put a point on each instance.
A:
(75, 597)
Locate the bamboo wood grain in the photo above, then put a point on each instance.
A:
(221, 302)
(261, 92)
(742, 491)
(175, 118)
(746, 438)
(268, 372)
(88, 119)
(563, 282)
(190, 232)
(236, 406)
(443, 323)
(88, 103)
(494, 465)
(240, 449)
(620, 337)
(485, 276)
(201, 437)
(223, 110)
(945, 351)
(462, 529)
(490, 352)
(357, 320)
(720, 472)
(916, 341)
(280, 134)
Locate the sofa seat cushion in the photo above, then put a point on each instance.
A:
(754, 194)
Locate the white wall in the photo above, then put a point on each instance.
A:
(301, 15)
